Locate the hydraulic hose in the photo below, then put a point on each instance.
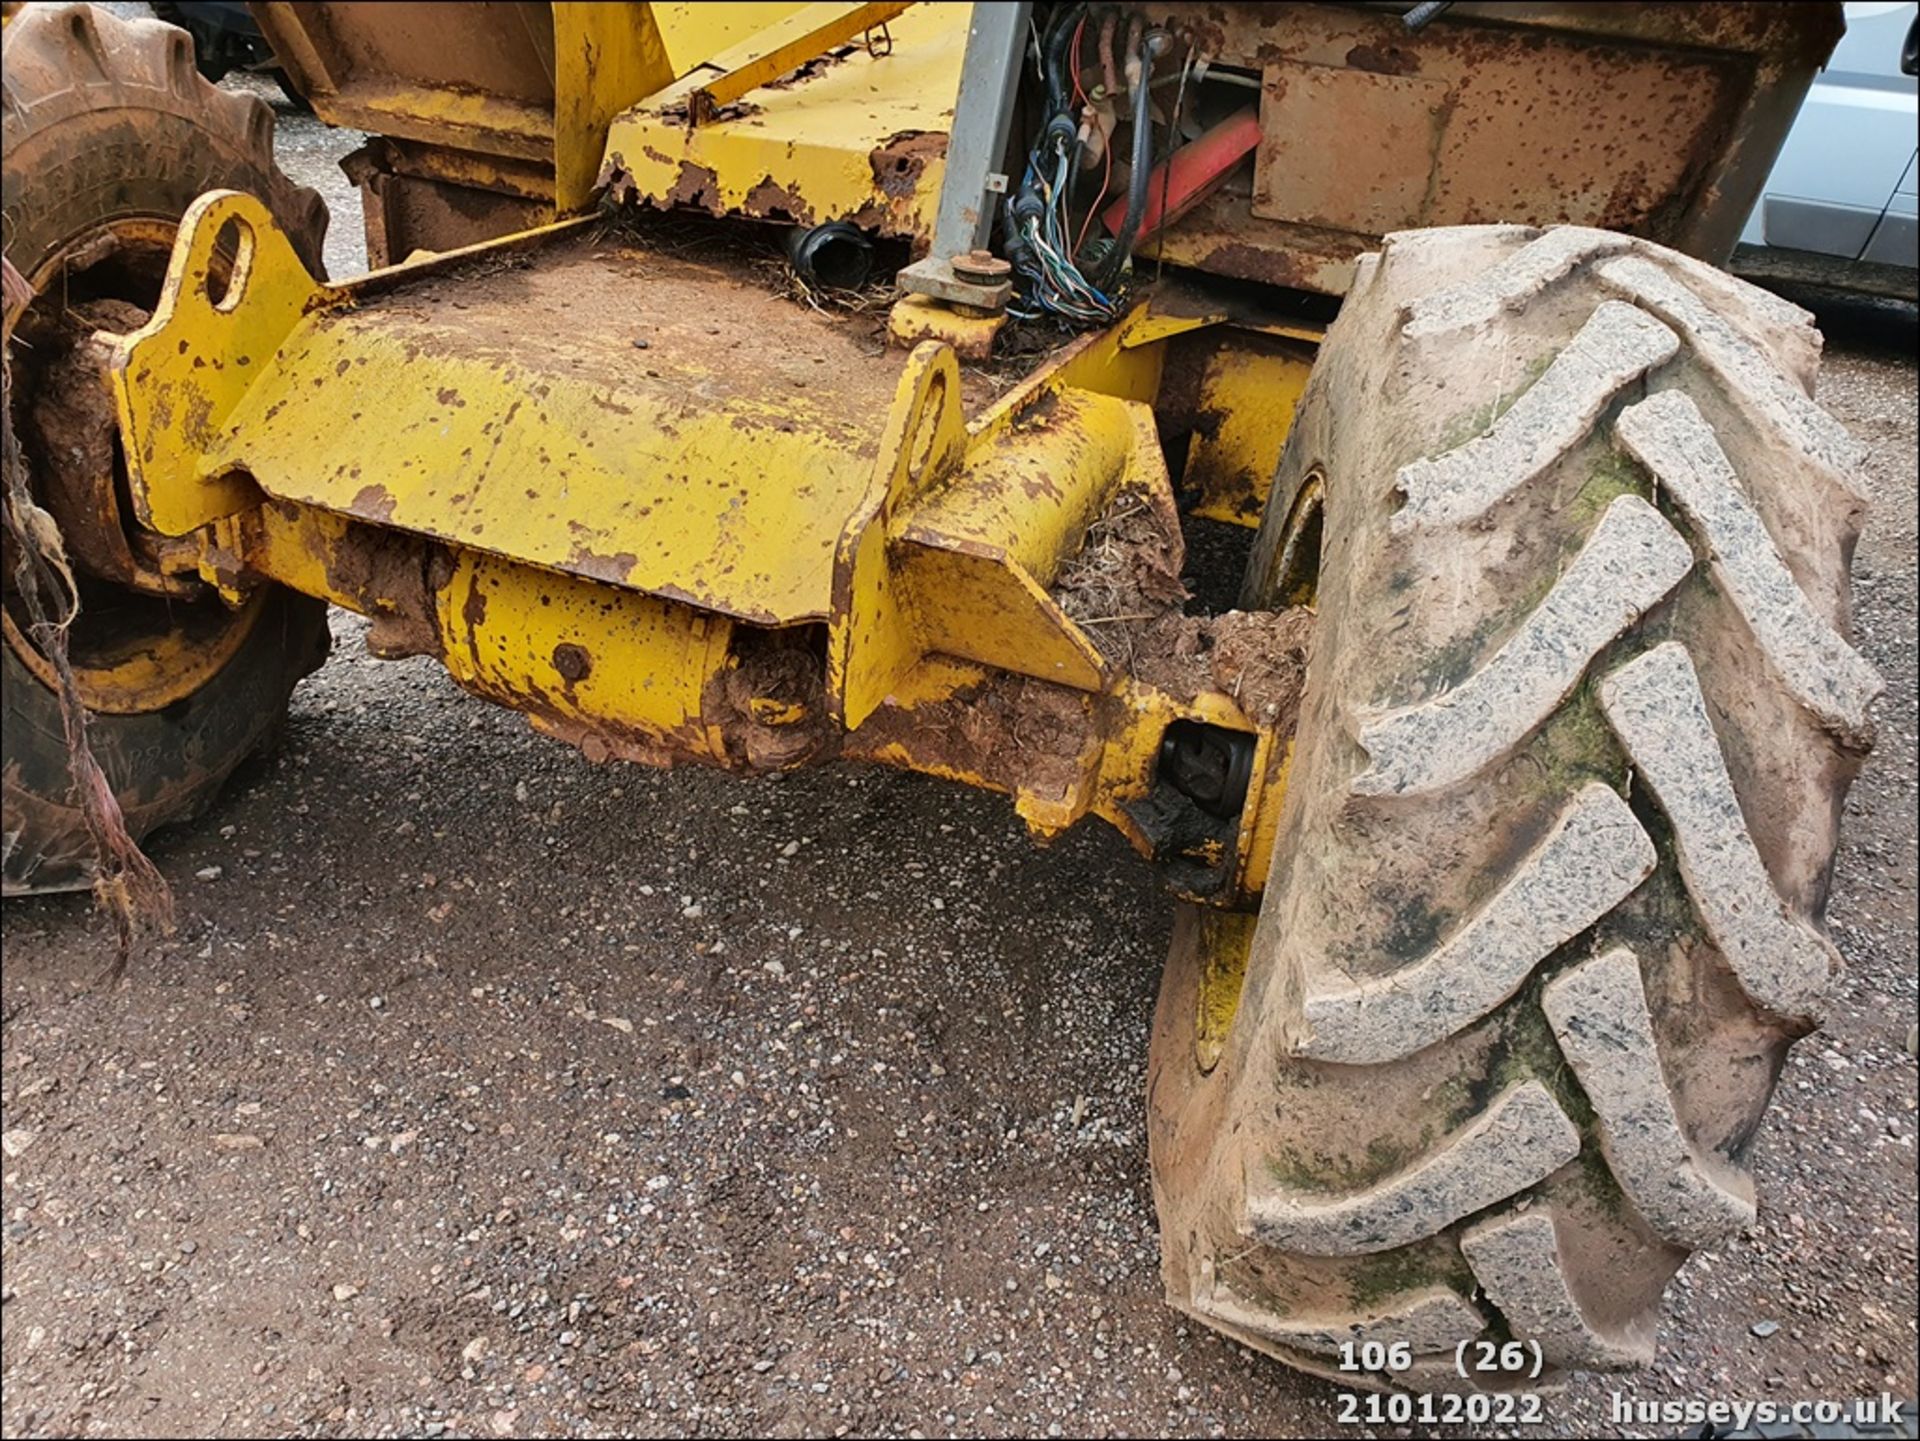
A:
(1058, 74)
(1152, 45)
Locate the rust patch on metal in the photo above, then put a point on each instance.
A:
(1384, 60)
(614, 179)
(1367, 129)
(770, 200)
(900, 160)
(391, 576)
(805, 71)
(697, 185)
(613, 569)
(373, 502)
(573, 662)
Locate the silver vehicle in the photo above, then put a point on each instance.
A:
(1840, 208)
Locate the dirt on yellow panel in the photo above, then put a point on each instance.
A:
(669, 422)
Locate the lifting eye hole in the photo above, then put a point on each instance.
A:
(231, 264)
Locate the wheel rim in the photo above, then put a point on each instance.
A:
(1295, 575)
(133, 649)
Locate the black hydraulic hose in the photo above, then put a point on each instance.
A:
(1151, 45)
(1058, 73)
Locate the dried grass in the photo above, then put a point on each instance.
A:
(1122, 576)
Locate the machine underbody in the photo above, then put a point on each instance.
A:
(675, 517)
(611, 477)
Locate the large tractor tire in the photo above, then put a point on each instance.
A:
(109, 134)
(1545, 912)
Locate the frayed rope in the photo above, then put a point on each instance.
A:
(126, 883)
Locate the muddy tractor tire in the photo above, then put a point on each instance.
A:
(109, 135)
(1546, 907)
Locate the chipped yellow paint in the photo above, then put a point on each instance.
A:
(813, 148)
(574, 653)
(605, 58)
(571, 650)
(871, 640)
(914, 318)
(1096, 362)
(979, 549)
(642, 475)
(775, 712)
(178, 379)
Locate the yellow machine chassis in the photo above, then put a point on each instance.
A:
(663, 556)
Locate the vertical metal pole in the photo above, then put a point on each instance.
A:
(982, 121)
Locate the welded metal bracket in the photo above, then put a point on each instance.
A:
(234, 291)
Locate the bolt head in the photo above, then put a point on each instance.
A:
(981, 267)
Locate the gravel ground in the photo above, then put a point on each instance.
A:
(486, 1092)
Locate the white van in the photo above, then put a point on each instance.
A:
(1840, 208)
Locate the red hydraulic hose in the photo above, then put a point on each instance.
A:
(1186, 177)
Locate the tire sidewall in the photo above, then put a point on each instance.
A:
(92, 150)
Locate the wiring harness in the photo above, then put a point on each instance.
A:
(1059, 271)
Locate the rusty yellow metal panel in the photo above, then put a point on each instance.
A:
(949, 718)
(640, 670)
(914, 318)
(978, 549)
(978, 606)
(1100, 362)
(717, 465)
(605, 58)
(1030, 492)
(735, 507)
(859, 136)
(472, 77)
(569, 650)
(972, 530)
(1248, 393)
(914, 731)
(872, 641)
(506, 81)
